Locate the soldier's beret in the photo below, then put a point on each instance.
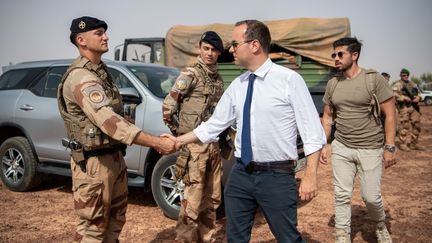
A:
(85, 23)
(404, 70)
(213, 39)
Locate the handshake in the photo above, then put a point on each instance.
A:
(168, 144)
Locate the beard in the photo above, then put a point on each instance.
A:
(344, 67)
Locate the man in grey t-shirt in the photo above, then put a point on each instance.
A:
(355, 101)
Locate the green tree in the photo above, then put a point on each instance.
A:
(426, 77)
(416, 80)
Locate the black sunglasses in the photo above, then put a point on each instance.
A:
(340, 54)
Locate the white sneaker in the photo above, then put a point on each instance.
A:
(342, 236)
(383, 236)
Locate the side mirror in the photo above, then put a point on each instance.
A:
(130, 95)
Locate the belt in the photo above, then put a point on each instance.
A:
(102, 151)
(275, 166)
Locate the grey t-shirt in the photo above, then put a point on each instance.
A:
(355, 126)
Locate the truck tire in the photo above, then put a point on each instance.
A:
(167, 192)
(18, 165)
(428, 101)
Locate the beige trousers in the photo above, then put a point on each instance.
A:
(367, 164)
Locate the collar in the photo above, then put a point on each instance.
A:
(261, 72)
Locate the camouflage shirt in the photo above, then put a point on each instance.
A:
(403, 90)
(192, 98)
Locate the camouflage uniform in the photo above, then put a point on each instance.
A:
(90, 104)
(409, 118)
(192, 100)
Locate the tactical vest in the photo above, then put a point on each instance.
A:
(78, 126)
(199, 105)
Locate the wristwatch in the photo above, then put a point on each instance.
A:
(390, 147)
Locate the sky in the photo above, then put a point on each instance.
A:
(394, 33)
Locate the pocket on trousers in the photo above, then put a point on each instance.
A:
(87, 194)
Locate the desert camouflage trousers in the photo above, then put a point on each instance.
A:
(409, 126)
(202, 194)
(100, 198)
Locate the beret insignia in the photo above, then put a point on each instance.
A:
(82, 25)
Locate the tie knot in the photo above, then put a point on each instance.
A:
(252, 77)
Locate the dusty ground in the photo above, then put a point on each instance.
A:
(45, 214)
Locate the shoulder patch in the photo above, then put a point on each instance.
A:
(181, 84)
(96, 96)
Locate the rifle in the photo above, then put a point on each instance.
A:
(412, 96)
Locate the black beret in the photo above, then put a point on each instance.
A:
(85, 23)
(213, 39)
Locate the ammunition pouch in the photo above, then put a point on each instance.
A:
(182, 163)
(188, 121)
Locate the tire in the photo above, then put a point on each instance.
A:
(167, 192)
(18, 165)
(428, 101)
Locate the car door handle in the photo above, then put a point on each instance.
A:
(26, 107)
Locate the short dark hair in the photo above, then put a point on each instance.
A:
(257, 30)
(352, 43)
(72, 38)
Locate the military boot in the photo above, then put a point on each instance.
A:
(342, 236)
(404, 147)
(383, 236)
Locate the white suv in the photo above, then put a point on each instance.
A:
(31, 128)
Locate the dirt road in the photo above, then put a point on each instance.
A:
(46, 214)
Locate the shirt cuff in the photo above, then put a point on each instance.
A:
(132, 133)
(203, 135)
(312, 148)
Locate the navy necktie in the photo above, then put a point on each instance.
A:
(246, 145)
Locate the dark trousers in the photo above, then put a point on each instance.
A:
(274, 192)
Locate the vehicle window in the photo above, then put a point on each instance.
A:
(158, 80)
(120, 79)
(139, 52)
(18, 79)
(47, 85)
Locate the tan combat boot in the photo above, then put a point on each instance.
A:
(342, 236)
(383, 236)
(404, 147)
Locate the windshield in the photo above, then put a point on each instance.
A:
(158, 80)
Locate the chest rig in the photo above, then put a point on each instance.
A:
(78, 127)
(200, 103)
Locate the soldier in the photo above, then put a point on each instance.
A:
(90, 105)
(407, 99)
(192, 100)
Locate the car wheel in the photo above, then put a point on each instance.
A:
(18, 165)
(167, 192)
(428, 101)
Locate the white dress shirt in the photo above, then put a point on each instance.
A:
(281, 104)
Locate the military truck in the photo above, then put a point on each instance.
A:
(302, 44)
